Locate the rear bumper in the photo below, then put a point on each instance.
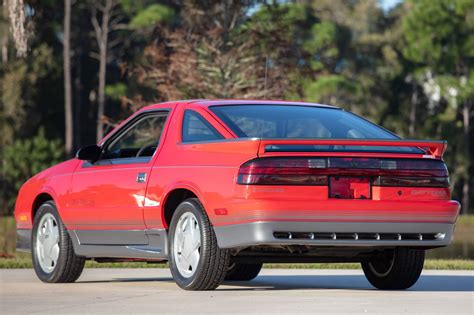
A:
(23, 240)
(337, 210)
(335, 234)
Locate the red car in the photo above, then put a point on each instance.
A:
(217, 188)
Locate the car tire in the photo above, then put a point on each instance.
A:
(242, 272)
(194, 266)
(395, 269)
(54, 260)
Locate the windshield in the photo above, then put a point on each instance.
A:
(304, 122)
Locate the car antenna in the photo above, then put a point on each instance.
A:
(265, 81)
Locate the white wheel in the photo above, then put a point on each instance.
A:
(196, 261)
(53, 254)
(187, 244)
(47, 243)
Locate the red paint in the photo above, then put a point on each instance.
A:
(108, 197)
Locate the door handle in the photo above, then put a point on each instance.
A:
(141, 177)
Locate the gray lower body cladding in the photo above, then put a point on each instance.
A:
(147, 244)
(23, 240)
(152, 244)
(335, 234)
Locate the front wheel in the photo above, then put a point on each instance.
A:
(53, 254)
(196, 261)
(394, 269)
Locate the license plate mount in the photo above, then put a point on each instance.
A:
(341, 187)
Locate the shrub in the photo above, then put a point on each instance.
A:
(24, 158)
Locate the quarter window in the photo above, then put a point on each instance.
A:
(196, 128)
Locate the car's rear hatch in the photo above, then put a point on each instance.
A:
(353, 169)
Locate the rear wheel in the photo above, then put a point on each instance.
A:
(242, 272)
(196, 261)
(395, 269)
(53, 254)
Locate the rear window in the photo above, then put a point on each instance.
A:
(304, 122)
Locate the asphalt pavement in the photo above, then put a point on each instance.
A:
(275, 291)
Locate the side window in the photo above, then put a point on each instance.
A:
(140, 140)
(196, 128)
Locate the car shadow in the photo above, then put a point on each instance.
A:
(426, 283)
(163, 279)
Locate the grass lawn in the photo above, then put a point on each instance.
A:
(430, 264)
(457, 256)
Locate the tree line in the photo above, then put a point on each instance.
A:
(71, 70)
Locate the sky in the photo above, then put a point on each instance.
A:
(386, 5)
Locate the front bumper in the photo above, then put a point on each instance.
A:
(335, 234)
(23, 240)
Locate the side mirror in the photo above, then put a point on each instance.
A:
(89, 153)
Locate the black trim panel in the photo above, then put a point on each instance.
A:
(123, 161)
(220, 141)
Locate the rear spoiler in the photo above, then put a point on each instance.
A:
(432, 149)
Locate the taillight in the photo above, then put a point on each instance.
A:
(282, 171)
(413, 173)
(315, 171)
(406, 181)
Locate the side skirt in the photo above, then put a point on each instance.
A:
(23, 240)
(155, 246)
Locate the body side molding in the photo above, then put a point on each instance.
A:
(154, 246)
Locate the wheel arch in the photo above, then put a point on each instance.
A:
(38, 201)
(173, 198)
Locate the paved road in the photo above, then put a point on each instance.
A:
(274, 291)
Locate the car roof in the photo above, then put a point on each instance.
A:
(207, 103)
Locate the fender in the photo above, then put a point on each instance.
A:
(179, 185)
